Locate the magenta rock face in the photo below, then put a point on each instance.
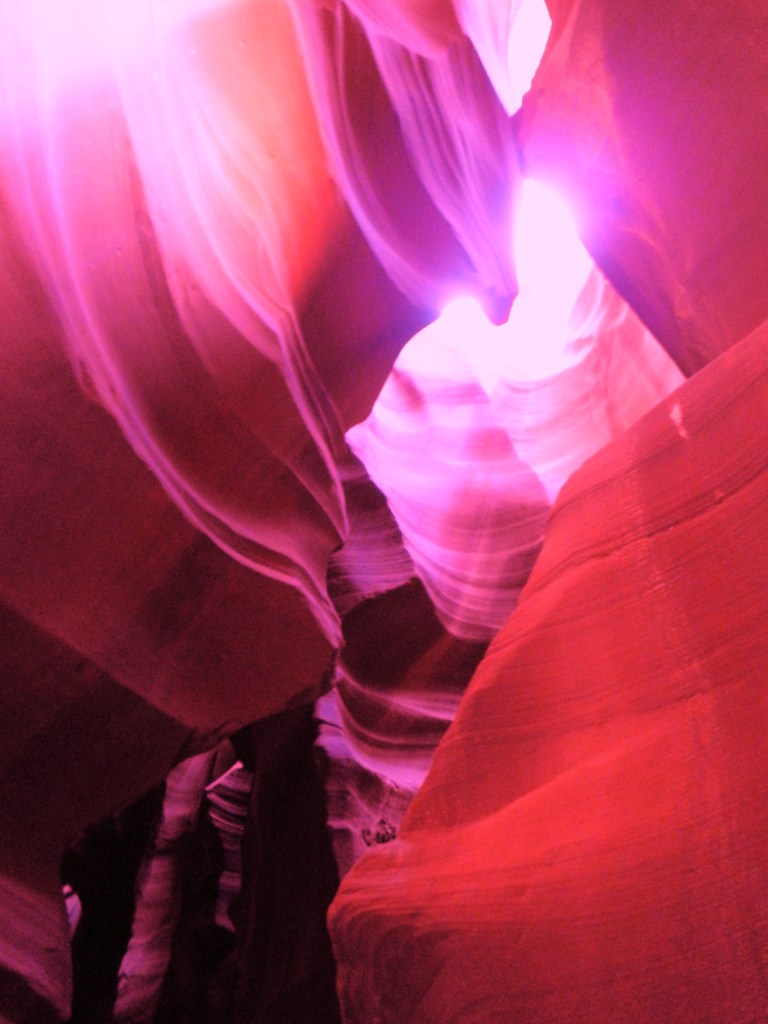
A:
(590, 840)
(311, 439)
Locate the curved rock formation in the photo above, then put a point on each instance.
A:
(590, 841)
(221, 223)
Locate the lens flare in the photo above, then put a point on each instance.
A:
(552, 265)
(552, 269)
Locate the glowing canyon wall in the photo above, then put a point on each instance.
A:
(247, 470)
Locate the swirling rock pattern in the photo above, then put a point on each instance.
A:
(589, 843)
(221, 223)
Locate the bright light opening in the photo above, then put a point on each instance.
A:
(552, 269)
(525, 47)
(551, 263)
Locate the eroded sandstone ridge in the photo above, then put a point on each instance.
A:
(228, 490)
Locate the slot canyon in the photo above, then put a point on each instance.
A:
(383, 589)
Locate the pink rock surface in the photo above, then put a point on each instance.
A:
(220, 225)
(589, 843)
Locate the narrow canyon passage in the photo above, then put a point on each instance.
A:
(381, 495)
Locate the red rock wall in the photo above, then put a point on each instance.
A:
(590, 842)
(220, 226)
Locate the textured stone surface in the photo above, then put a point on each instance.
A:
(590, 842)
(220, 225)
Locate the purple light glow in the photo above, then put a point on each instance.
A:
(552, 269)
